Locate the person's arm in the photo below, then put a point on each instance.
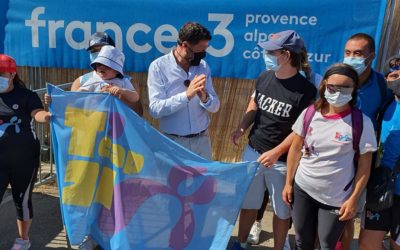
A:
(160, 104)
(292, 164)
(76, 84)
(128, 96)
(208, 97)
(40, 115)
(270, 157)
(246, 121)
(349, 207)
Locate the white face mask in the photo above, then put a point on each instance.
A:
(4, 84)
(337, 99)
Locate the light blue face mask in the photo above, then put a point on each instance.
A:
(358, 63)
(93, 56)
(3, 84)
(271, 62)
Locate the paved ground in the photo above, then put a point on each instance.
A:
(47, 230)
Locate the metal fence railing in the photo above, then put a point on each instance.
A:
(46, 170)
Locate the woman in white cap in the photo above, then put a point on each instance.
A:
(109, 76)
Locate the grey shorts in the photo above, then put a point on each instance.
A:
(273, 178)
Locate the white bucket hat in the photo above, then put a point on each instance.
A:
(111, 57)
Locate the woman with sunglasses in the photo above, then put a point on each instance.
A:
(322, 183)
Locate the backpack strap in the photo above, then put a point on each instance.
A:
(310, 112)
(357, 129)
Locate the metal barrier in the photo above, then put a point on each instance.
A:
(46, 171)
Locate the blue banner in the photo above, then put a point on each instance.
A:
(3, 21)
(129, 187)
(55, 33)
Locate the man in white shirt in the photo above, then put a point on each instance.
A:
(181, 92)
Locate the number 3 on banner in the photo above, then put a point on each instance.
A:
(221, 29)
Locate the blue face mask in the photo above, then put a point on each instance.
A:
(3, 84)
(358, 63)
(271, 62)
(93, 56)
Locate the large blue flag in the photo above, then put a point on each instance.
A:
(129, 187)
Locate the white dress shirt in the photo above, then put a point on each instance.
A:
(168, 100)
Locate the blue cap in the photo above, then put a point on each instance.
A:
(288, 39)
(100, 38)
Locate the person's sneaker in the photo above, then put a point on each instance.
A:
(237, 246)
(254, 236)
(287, 243)
(21, 244)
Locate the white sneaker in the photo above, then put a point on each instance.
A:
(254, 236)
(21, 244)
(287, 244)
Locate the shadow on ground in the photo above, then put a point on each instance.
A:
(46, 230)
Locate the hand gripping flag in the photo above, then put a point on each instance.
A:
(127, 186)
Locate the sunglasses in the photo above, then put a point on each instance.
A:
(186, 83)
(346, 90)
(394, 68)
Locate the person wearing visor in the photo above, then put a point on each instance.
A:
(181, 93)
(96, 42)
(376, 224)
(282, 93)
(322, 184)
(19, 145)
(372, 94)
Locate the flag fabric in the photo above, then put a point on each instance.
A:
(127, 186)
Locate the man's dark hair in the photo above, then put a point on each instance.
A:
(193, 33)
(368, 38)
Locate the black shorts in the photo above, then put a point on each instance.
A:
(385, 220)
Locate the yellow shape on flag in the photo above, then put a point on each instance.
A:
(83, 175)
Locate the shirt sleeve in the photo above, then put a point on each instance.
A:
(88, 86)
(213, 103)
(34, 102)
(160, 104)
(128, 85)
(298, 125)
(368, 140)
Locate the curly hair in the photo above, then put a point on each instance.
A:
(193, 33)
